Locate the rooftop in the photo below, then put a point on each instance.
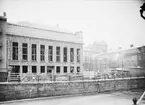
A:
(121, 50)
(43, 27)
(42, 31)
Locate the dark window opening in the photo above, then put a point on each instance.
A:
(42, 69)
(58, 69)
(65, 69)
(24, 69)
(24, 51)
(34, 69)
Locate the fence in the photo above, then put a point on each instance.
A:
(16, 77)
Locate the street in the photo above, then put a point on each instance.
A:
(115, 98)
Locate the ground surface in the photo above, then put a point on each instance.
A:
(115, 98)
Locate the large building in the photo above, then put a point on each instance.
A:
(90, 50)
(28, 49)
(131, 61)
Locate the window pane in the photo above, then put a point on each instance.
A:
(65, 69)
(78, 55)
(42, 69)
(57, 54)
(34, 52)
(24, 51)
(15, 51)
(50, 53)
(71, 55)
(58, 69)
(42, 52)
(65, 54)
(34, 69)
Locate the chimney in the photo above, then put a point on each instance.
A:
(131, 45)
(4, 14)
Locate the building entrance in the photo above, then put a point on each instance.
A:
(50, 69)
(15, 69)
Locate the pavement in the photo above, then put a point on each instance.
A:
(115, 98)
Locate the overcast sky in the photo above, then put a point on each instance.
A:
(117, 22)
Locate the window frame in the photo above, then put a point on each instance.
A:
(24, 49)
(42, 52)
(58, 54)
(15, 51)
(65, 70)
(71, 54)
(58, 69)
(78, 55)
(65, 54)
(50, 53)
(33, 52)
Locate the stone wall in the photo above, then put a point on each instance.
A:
(15, 91)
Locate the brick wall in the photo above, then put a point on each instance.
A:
(15, 91)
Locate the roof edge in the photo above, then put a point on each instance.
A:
(41, 29)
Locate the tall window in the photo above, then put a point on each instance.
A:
(65, 54)
(71, 55)
(42, 52)
(34, 52)
(42, 69)
(58, 69)
(65, 69)
(78, 55)
(58, 54)
(25, 69)
(34, 69)
(15, 51)
(50, 53)
(24, 51)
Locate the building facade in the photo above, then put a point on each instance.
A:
(33, 50)
(130, 61)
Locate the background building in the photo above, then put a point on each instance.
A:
(127, 62)
(90, 50)
(28, 49)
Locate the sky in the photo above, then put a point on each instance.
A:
(117, 22)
